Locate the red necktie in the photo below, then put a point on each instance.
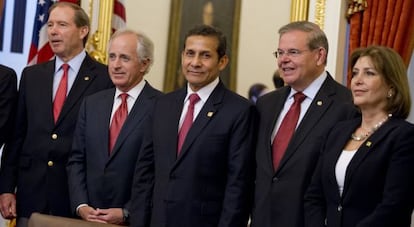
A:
(286, 129)
(117, 121)
(61, 92)
(188, 121)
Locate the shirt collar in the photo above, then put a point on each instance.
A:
(133, 92)
(313, 88)
(74, 63)
(204, 92)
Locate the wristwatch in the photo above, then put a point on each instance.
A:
(125, 213)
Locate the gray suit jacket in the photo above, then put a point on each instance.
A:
(279, 195)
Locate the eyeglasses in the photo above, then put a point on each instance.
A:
(290, 53)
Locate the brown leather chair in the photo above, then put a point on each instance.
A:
(43, 220)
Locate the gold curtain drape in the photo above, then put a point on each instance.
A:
(382, 22)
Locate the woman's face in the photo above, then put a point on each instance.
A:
(368, 86)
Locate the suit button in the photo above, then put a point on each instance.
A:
(50, 163)
(339, 208)
(54, 136)
(275, 179)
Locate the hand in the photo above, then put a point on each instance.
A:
(88, 213)
(8, 205)
(111, 215)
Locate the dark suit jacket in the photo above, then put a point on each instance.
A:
(210, 183)
(379, 185)
(8, 98)
(35, 160)
(99, 180)
(279, 195)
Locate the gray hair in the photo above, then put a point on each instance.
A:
(145, 47)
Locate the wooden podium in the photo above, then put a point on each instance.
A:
(43, 220)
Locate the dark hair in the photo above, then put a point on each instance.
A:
(81, 18)
(255, 91)
(278, 81)
(209, 31)
(390, 66)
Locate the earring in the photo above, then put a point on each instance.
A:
(389, 95)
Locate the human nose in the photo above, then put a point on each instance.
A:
(196, 61)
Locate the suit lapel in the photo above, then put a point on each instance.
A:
(313, 116)
(363, 152)
(103, 110)
(207, 113)
(274, 110)
(135, 117)
(49, 72)
(337, 147)
(172, 129)
(82, 81)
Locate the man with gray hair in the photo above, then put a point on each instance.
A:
(293, 123)
(109, 133)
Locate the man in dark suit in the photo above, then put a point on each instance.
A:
(35, 159)
(100, 178)
(8, 97)
(205, 179)
(281, 183)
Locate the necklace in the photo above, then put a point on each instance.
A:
(373, 129)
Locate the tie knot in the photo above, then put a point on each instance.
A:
(194, 98)
(65, 67)
(124, 97)
(299, 97)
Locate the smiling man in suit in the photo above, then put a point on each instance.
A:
(288, 150)
(100, 169)
(198, 175)
(50, 95)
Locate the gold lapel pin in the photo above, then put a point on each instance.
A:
(210, 114)
(86, 78)
(368, 143)
(319, 103)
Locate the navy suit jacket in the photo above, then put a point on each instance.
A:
(95, 178)
(8, 99)
(35, 159)
(210, 183)
(279, 195)
(379, 185)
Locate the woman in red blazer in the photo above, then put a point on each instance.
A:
(366, 170)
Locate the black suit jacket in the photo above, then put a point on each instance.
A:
(95, 178)
(279, 195)
(379, 185)
(35, 160)
(8, 98)
(210, 183)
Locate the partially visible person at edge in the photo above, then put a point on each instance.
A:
(34, 162)
(283, 174)
(206, 177)
(102, 162)
(366, 170)
(256, 90)
(277, 80)
(8, 99)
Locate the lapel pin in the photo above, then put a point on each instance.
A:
(368, 143)
(319, 103)
(86, 78)
(210, 114)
